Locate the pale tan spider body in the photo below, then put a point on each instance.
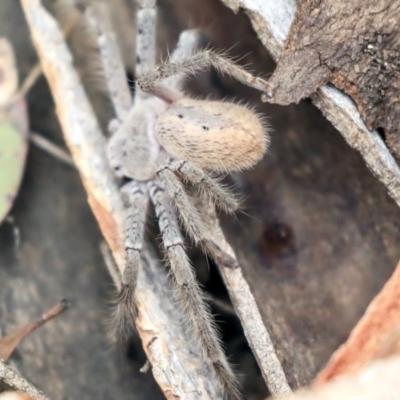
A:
(214, 135)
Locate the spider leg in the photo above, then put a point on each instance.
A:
(186, 45)
(145, 41)
(201, 60)
(222, 197)
(191, 219)
(188, 213)
(136, 199)
(169, 91)
(189, 292)
(112, 64)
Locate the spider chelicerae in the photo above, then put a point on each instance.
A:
(164, 139)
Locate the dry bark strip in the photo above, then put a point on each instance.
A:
(14, 396)
(356, 46)
(11, 380)
(9, 343)
(272, 20)
(177, 367)
(378, 380)
(246, 307)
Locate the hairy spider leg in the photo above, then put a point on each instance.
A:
(146, 55)
(207, 185)
(150, 80)
(189, 291)
(189, 215)
(112, 63)
(134, 194)
(136, 201)
(145, 42)
(187, 43)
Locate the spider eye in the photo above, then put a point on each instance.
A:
(206, 128)
(117, 168)
(180, 116)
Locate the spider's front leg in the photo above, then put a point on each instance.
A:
(136, 198)
(201, 60)
(145, 41)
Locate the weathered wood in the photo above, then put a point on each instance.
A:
(377, 380)
(246, 307)
(11, 380)
(356, 47)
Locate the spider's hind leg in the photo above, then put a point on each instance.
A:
(136, 199)
(191, 218)
(188, 289)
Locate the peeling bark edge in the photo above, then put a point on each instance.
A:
(11, 380)
(178, 368)
(376, 380)
(271, 20)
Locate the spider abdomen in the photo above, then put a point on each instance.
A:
(214, 135)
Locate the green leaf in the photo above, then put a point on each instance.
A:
(13, 149)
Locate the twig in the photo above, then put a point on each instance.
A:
(271, 20)
(10, 342)
(177, 367)
(11, 380)
(30, 80)
(221, 305)
(111, 265)
(246, 308)
(15, 230)
(145, 367)
(50, 148)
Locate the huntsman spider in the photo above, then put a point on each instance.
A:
(163, 139)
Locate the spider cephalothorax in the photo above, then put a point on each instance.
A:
(165, 138)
